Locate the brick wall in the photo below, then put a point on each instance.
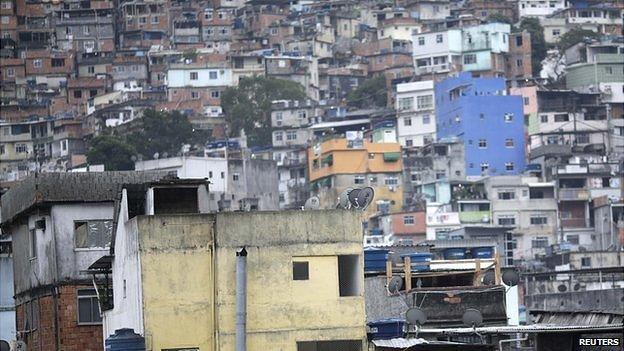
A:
(72, 337)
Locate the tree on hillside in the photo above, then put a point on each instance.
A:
(248, 106)
(111, 151)
(575, 36)
(538, 44)
(499, 18)
(372, 93)
(164, 132)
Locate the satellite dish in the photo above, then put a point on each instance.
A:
(511, 277)
(361, 198)
(156, 155)
(415, 316)
(395, 284)
(312, 203)
(19, 346)
(489, 278)
(343, 199)
(472, 318)
(4, 346)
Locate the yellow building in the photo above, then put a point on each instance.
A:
(174, 276)
(337, 164)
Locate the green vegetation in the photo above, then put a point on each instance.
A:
(248, 106)
(161, 132)
(372, 93)
(575, 36)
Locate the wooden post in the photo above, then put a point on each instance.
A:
(477, 275)
(388, 271)
(407, 268)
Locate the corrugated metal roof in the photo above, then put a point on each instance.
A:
(534, 328)
(402, 343)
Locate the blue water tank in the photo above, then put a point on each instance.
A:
(482, 252)
(375, 260)
(455, 254)
(417, 258)
(387, 329)
(125, 340)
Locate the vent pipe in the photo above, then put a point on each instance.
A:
(241, 300)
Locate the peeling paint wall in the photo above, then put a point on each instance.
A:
(176, 263)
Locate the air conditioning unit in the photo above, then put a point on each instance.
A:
(392, 188)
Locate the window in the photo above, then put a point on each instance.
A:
(506, 220)
(291, 135)
(407, 121)
(509, 117)
(406, 103)
(544, 118)
(142, 20)
(155, 19)
(556, 32)
(424, 102)
(358, 180)
(278, 136)
(58, 62)
(482, 116)
(194, 75)
(509, 166)
(526, 101)
(439, 38)
(482, 143)
(21, 148)
(93, 233)
(301, 270)
(212, 74)
(582, 138)
(194, 95)
(509, 142)
(506, 194)
(33, 243)
(349, 280)
(426, 119)
(235, 177)
(215, 94)
(408, 220)
(573, 239)
(37, 63)
(10, 72)
(302, 114)
(421, 41)
(86, 30)
(539, 220)
(91, 69)
(519, 63)
(539, 242)
(391, 181)
(88, 307)
(470, 59)
(609, 70)
(518, 40)
(2, 150)
(484, 166)
(562, 117)
(586, 262)
(222, 175)
(92, 92)
(409, 142)
(6, 19)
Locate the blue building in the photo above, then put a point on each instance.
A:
(490, 123)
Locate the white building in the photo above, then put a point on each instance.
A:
(415, 107)
(539, 8)
(190, 167)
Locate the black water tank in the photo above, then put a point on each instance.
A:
(125, 340)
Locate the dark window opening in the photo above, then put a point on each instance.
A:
(348, 275)
(301, 270)
(342, 345)
(175, 200)
(88, 308)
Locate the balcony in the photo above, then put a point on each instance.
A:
(431, 69)
(474, 217)
(376, 231)
(451, 218)
(573, 223)
(574, 194)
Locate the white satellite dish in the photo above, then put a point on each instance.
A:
(312, 203)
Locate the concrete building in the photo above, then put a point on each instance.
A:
(340, 163)
(319, 272)
(7, 303)
(490, 123)
(59, 223)
(530, 207)
(539, 8)
(415, 105)
(478, 49)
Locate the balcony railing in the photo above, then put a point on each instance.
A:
(573, 194)
(573, 223)
(475, 217)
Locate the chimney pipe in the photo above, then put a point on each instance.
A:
(241, 300)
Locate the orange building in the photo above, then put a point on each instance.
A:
(337, 164)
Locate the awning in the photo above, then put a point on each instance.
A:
(391, 156)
